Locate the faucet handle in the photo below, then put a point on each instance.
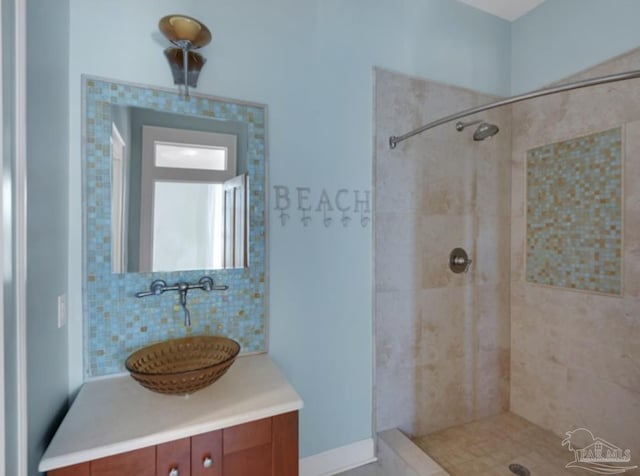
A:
(158, 287)
(206, 283)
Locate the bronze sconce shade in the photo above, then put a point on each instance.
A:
(195, 62)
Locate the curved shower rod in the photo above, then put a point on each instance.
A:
(612, 78)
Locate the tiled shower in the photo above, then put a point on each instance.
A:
(442, 339)
(546, 324)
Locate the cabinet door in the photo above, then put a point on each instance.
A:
(174, 458)
(133, 463)
(247, 449)
(254, 461)
(82, 469)
(206, 454)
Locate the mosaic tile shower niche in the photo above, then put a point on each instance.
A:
(574, 213)
(116, 322)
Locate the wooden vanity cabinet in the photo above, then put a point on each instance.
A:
(267, 447)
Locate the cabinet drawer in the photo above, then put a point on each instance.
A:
(133, 463)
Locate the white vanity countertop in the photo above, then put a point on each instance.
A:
(115, 415)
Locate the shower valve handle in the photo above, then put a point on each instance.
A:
(459, 261)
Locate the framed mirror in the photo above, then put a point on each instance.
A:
(173, 189)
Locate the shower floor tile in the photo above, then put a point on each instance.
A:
(487, 447)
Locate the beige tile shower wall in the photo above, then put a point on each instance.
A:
(575, 356)
(442, 339)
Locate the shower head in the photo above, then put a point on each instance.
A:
(483, 131)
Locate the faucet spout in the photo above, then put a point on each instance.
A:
(182, 289)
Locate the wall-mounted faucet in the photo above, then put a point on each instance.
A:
(159, 286)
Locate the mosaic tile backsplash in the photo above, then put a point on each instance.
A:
(574, 213)
(116, 322)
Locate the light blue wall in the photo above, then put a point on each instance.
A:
(47, 223)
(311, 62)
(562, 37)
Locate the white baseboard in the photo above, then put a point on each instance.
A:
(339, 459)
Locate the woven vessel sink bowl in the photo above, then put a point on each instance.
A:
(182, 366)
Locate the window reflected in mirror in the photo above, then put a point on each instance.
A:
(179, 196)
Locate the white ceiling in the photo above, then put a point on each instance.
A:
(507, 9)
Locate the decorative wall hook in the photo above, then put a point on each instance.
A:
(329, 207)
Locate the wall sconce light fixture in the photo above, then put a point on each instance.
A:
(187, 34)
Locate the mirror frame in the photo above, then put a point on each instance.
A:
(116, 323)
